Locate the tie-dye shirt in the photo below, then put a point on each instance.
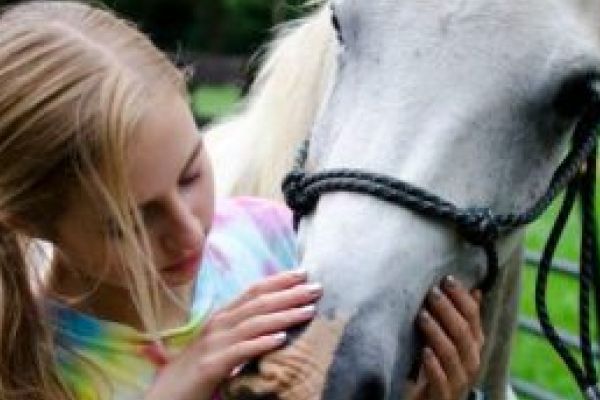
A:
(250, 239)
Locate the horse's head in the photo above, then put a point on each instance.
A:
(473, 100)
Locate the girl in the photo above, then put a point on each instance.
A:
(101, 158)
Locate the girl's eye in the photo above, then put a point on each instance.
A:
(190, 179)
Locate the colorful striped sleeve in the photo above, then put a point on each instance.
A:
(250, 239)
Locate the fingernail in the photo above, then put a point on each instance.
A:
(236, 371)
(450, 282)
(314, 289)
(424, 317)
(427, 353)
(280, 337)
(435, 294)
(308, 310)
(300, 273)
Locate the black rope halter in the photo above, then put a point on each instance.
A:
(481, 227)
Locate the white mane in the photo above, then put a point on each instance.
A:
(252, 150)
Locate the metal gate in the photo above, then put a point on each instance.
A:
(529, 326)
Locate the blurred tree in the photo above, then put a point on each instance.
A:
(278, 11)
(166, 22)
(218, 26)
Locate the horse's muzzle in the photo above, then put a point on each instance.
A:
(295, 372)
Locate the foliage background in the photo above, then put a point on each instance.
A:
(215, 26)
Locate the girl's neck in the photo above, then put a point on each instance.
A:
(114, 303)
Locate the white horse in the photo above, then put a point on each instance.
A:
(460, 97)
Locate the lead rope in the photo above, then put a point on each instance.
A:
(585, 375)
(480, 227)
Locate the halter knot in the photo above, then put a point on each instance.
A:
(293, 193)
(478, 226)
(296, 196)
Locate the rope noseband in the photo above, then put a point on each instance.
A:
(481, 227)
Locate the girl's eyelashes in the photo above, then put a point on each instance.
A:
(190, 179)
(193, 172)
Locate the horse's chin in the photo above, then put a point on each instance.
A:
(295, 372)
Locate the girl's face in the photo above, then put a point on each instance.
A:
(171, 178)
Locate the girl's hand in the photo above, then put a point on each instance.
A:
(451, 325)
(249, 327)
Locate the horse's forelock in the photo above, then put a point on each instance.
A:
(299, 63)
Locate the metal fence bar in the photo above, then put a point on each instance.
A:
(533, 327)
(563, 267)
(531, 391)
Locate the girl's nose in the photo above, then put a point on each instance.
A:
(185, 230)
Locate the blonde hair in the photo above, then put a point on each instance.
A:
(76, 81)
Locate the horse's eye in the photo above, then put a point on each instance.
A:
(336, 25)
(577, 93)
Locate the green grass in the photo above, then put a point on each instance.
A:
(533, 359)
(214, 101)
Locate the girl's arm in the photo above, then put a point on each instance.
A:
(451, 325)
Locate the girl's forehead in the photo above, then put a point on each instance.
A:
(166, 138)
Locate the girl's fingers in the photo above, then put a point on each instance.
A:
(467, 304)
(456, 326)
(279, 321)
(242, 352)
(438, 385)
(278, 282)
(273, 302)
(251, 338)
(416, 391)
(445, 352)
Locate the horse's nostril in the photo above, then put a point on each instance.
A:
(370, 388)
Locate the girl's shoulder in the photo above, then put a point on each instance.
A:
(255, 224)
(250, 239)
(263, 213)
(254, 220)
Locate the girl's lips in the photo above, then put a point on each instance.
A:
(186, 268)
